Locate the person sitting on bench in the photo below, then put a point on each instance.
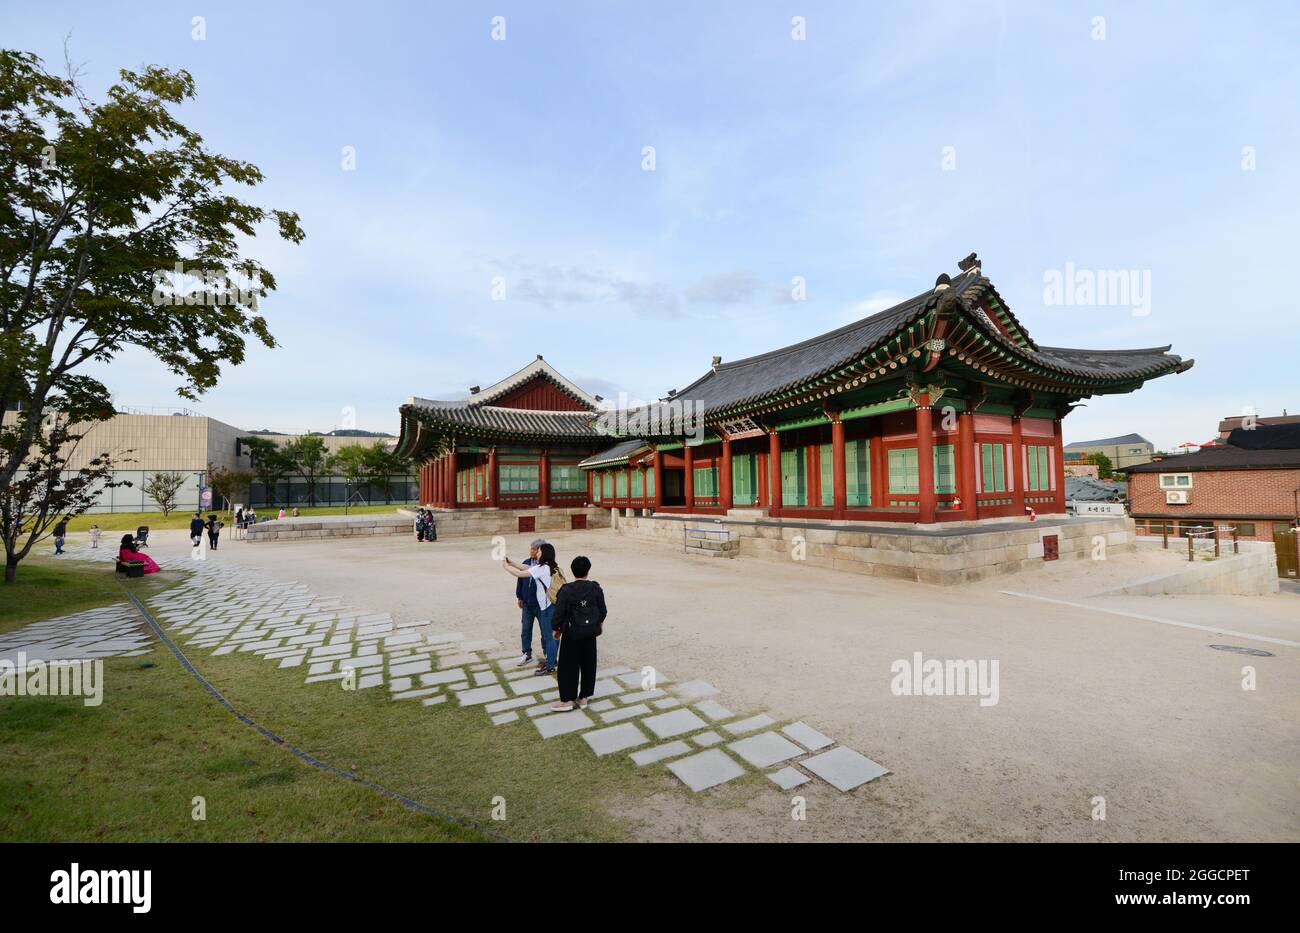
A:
(127, 553)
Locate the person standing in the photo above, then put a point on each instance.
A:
(214, 530)
(546, 580)
(94, 536)
(526, 600)
(60, 533)
(196, 529)
(579, 619)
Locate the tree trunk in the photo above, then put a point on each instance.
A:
(11, 570)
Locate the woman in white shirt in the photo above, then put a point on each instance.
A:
(542, 572)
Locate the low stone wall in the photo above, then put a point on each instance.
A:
(1251, 572)
(457, 523)
(330, 526)
(945, 556)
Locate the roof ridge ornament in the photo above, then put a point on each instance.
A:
(970, 262)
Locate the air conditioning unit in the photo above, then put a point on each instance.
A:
(1177, 497)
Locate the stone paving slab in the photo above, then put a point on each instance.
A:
(765, 749)
(807, 736)
(442, 677)
(707, 739)
(626, 712)
(750, 724)
(481, 695)
(563, 723)
(659, 753)
(667, 725)
(615, 738)
(695, 690)
(501, 719)
(705, 769)
(714, 710)
(533, 684)
(843, 768)
(789, 777)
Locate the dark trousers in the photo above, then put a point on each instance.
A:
(577, 657)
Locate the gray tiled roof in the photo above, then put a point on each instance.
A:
(1222, 458)
(1111, 441)
(619, 452)
(1087, 489)
(514, 421)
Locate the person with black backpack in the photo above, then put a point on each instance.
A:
(579, 619)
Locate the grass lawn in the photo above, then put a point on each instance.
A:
(50, 586)
(129, 769)
(130, 521)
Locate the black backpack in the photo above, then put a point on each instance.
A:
(584, 614)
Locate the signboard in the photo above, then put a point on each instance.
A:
(741, 428)
(1095, 508)
(205, 499)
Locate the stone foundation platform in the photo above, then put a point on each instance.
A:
(451, 523)
(945, 555)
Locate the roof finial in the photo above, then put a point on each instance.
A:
(970, 262)
(717, 361)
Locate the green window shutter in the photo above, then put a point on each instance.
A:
(904, 477)
(744, 479)
(794, 480)
(638, 484)
(827, 454)
(607, 484)
(1044, 477)
(945, 476)
(595, 488)
(1000, 467)
(650, 483)
(857, 472)
(1031, 479)
(620, 485)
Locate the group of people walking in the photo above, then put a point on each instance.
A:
(212, 527)
(569, 614)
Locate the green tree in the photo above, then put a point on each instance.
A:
(1105, 469)
(162, 488)
(352, 462)
(99, 204)
(229, 482)
(269, 463)
(308, 457)
(385, 464)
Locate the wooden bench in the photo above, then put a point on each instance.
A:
(132, 568)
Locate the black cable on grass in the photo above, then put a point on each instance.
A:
(312, 760)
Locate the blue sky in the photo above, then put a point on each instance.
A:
(867, 159)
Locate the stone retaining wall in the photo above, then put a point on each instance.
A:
(943, 557)
(451, 523)
(1252, 572)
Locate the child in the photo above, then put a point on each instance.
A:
(94, 536)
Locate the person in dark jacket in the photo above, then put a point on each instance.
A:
(214, 527)
(579, 604)
(531, 611)
(60, 533)
(196, 529)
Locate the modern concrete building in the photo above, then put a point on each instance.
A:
(145, 441)
(1123, 451)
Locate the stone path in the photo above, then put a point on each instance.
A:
(636, 711)
(106, 632)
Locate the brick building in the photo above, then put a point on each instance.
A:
(1252, 483)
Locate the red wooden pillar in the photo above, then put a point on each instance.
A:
(879, 469)
(544, 479)
(966, 466)
(688, 481)
(492, 477)
(1017, 466)
(925, 459)
(451, 489)
(774, 471)
(839, 472)
(435, 483)
(644, 499)
(724, 477)
(1058, 471)
(659, 480)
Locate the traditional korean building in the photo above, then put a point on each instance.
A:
(939, 409)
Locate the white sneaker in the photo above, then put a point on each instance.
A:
(524, 660)
(582, 704)
(559, 706)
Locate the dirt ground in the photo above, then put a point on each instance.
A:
(1091, 704)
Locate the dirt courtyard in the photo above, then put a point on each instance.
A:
(1091, 704)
